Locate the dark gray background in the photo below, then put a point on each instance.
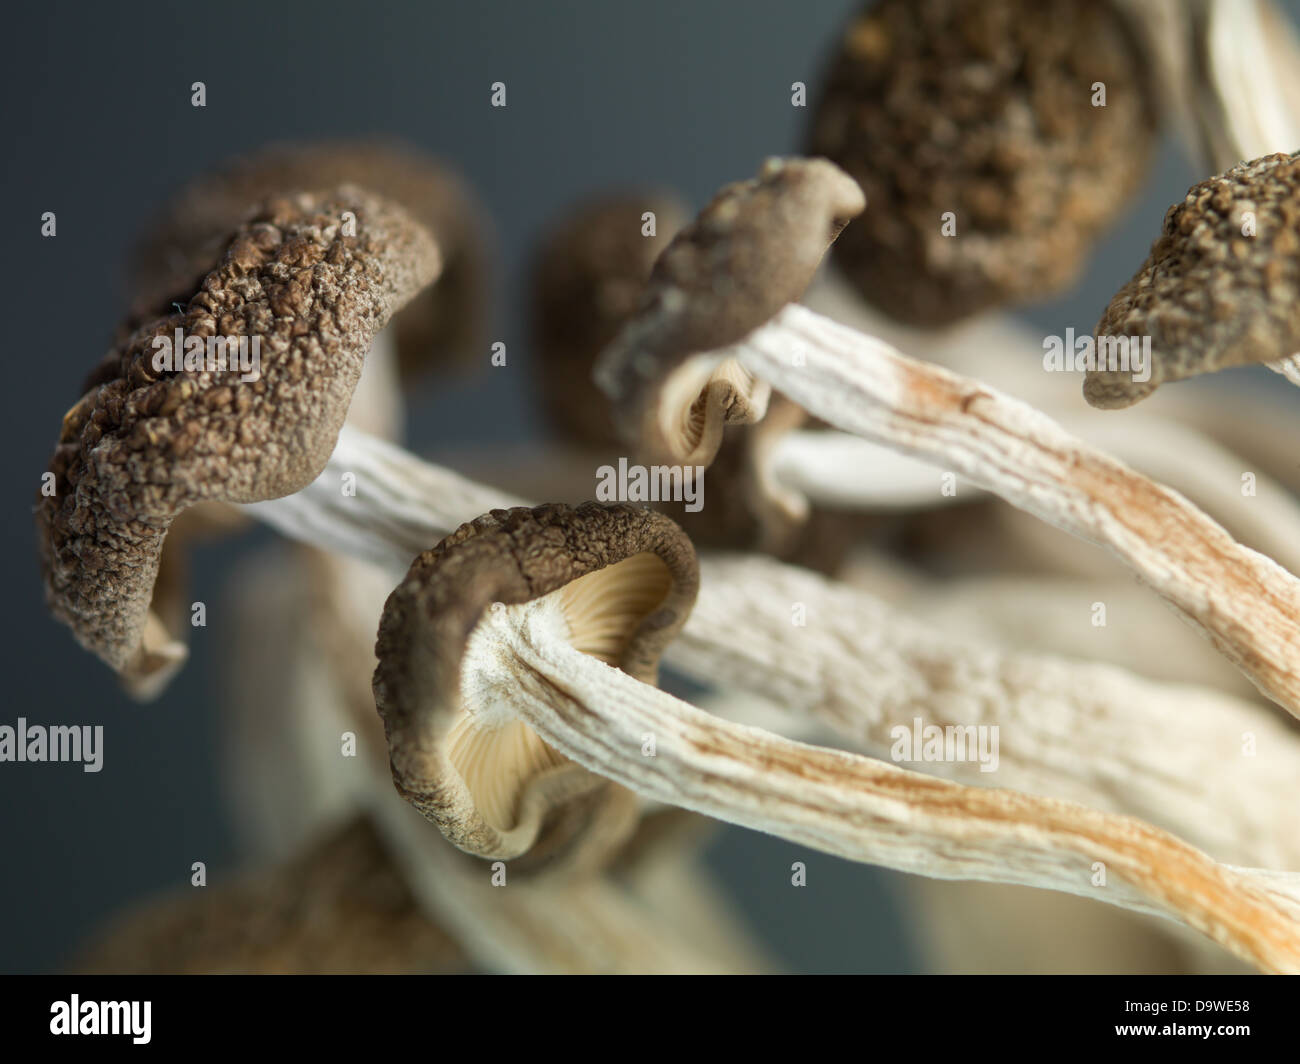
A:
(99, 128)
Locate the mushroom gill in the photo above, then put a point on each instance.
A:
(598, 614)
(612, 581)
(700, 399)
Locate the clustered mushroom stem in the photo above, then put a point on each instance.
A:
(1242, 601)
(931, 414)
(518, 655)
(1091, 733)
(740, 637)
(866, 810)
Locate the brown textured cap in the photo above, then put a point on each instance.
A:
(626, 579)
(1209, 295)
(446, 323)
(589, 276)
(751, 251)
(983, 110)
(143, 445)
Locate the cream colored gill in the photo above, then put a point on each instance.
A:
(691, 411)
(498, 755)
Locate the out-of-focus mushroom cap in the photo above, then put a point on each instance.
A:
(985, 110)
(589, 277)
(339, 907)
(143, 445)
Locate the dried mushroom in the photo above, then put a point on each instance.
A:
(1221, 286)
(619, 583)
(145, 443)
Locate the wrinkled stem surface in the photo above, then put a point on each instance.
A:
(1244, 602)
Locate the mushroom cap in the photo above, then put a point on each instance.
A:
(1209, 296)
(985, 110)
(626, 579)
(143, 445)
(447, 323)
(751, 251)
(589, 277)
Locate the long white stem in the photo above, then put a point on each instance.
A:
(1180, 756)
(867, 810)
(378, 502)
(1226, 72)
(1206, 765)
(1244, 602)
(1251, 85)
(839, 471)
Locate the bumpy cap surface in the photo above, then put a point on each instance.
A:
(984, 110)
(751, 251)
(1221, 286)
(446, 323)
(144, 444)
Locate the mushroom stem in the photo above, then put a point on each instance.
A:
(1191, 463)
(378, 502)
(377, 403)
(1248, 85)
(866, 810)
(1225, 72)
(1096, 734)
(1197, 442)
(839, 471)
(740, 637)
(1244, 602)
